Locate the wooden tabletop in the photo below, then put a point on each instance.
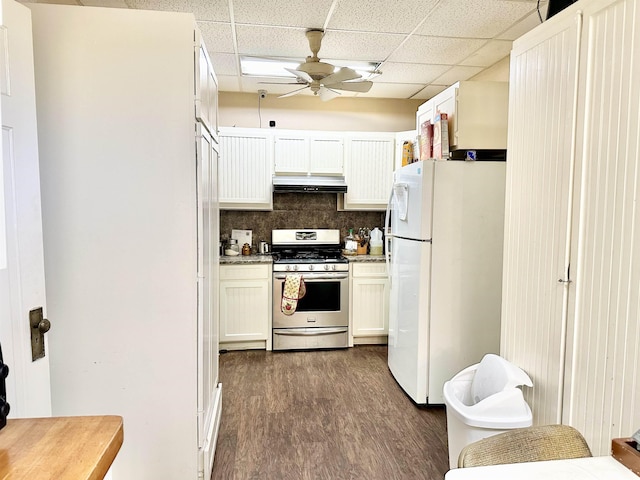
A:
(60, 448)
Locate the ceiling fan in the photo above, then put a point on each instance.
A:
(323, 78)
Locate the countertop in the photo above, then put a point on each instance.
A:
(61, 448)
(241, 259)
(365, 258)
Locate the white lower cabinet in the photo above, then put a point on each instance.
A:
(369, 306)
(245, 306)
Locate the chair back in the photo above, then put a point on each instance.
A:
(531, 444)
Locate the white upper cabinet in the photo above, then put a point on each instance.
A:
(246, 157)
(308, 153)
(369, 170)
(206, 89)
(249, 157)
(477, 114)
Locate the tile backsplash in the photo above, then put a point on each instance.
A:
(298, 210)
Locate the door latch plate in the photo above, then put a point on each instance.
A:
(39, 326)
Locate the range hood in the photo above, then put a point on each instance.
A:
(309, 184)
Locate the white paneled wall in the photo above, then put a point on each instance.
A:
(539, 176)
(604, 368)
(572, 201)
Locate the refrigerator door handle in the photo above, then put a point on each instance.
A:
(387, 236)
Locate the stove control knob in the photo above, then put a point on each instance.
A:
(295, 268)
(326, 267)
(310, 267)
(333, 267)
(287, 267)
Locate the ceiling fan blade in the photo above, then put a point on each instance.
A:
(294, 92)
(280, 83)
(327, 94)
(345, 73)
(362, 87)
(300, 74)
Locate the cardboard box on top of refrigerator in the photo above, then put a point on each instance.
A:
(426, 140)
(441, 137)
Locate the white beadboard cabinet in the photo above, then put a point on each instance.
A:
(249, 157)
(306, 152)
(571, 283)
(370, 158)
(246, 169)
(245, 306)
(369, 286)
(130, 226)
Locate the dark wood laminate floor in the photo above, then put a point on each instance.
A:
(335, 414)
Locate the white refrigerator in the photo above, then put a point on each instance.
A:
(444, 230)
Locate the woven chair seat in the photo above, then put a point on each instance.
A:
(531, 444)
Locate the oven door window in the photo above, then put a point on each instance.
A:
(321, 296)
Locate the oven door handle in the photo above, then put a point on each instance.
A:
(309, 332)
(309, 276)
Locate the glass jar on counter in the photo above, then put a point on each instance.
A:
(350, 244)
(233, 245)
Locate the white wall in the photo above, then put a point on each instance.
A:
(304, 112)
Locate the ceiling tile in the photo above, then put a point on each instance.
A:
(474, 18)
(224, 63)
(212, 10)
(456, 74)
(393, 90)
(430, 91)
(522, 27)
(410, 72)
(438, 50)
(380, 16)
(272, 41)
(217, 36)
(291, 13)
(358, 46)
(104, 3)
(490, 53)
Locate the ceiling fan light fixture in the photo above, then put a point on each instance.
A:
(265, 67)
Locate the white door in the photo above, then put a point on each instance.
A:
(408, 346)
(412, 201)
(21, 253)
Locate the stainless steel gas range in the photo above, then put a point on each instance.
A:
(321, 317)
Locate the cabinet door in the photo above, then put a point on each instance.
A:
(206, 89)
(369, 171)
(326, 155)
(291, 153)
(206, 174)
(245, 169)
(370, 300)
(538, 205)
(603, 369)
(245, 305)
(307, 152)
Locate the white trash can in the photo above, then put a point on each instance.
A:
(484, 400)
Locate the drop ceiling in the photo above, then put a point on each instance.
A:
(422, 46)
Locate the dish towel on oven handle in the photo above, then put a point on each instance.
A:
(294, 290)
